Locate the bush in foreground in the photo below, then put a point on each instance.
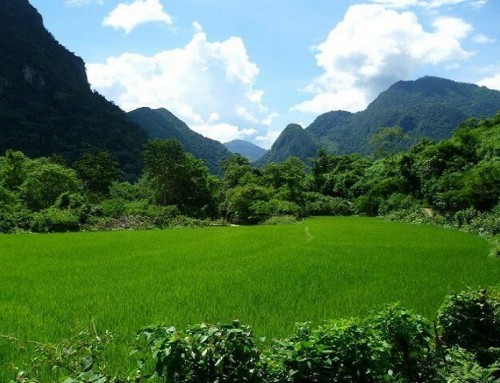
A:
(392, 345)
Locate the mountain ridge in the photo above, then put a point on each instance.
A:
(429, 107)
(245, 148)
(163, 124)
(293, 141)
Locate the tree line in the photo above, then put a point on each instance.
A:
(457, 180)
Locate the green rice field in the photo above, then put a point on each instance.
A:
(270, 277)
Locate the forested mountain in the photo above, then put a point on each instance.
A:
(160, 123)
(428, 107)
(251, 151)
(293, 141)
(46, 104)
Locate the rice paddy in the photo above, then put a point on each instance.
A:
(270, 277)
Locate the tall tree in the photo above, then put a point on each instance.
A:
(176, 177)
(287, 178)
(98, 171)
(162, 167)
(45, 182)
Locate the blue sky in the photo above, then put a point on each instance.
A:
(245, 69)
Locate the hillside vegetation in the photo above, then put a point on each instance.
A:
(293, 141)
(160, 123)
(429, 107)
(455, 180)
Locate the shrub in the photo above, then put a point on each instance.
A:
(124, 222)
(410, 339)
(397, 202)
(77, 203)
(7, 220)
(485, 223)
(339, 351)
(204, 353)
(461, 366)
(281, 220)
(274, 207)
(55, 220)
(393, 345)
(12, 214)
(182, 221)
(113, 207)
(163, 216)
(45, 182)
(368, 204)
(83, 357)
(319, 204)
(471, 320)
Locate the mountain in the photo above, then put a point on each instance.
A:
(293, 141)
(160, 123)
(245, 148)
(46, 104)
(428, 107)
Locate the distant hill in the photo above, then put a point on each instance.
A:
(293, 141)
(46, 104)
(251, 151)
(428, 107)
(160, 123)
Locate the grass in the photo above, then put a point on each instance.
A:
(51, 286)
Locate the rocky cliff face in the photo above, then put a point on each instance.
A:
(46, 104)
(30, 54)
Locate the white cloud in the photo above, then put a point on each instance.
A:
(478, 3)
(429, 4)
(128, 16)
(209, 85)
(267, 140)
(269, 119)
(400, 4)
(452, 28)
(223, 132)
(81, 3)
(483, 39)
(492, 82)
(373, 47)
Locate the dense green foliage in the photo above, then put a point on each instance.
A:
(46, 104)
(204, 353)
(389, 141)
(429, 107)
(98, 171)
(453, 182)
(391, 345)
(160, 123)
(176, 178)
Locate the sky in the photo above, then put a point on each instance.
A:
(245, 69)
